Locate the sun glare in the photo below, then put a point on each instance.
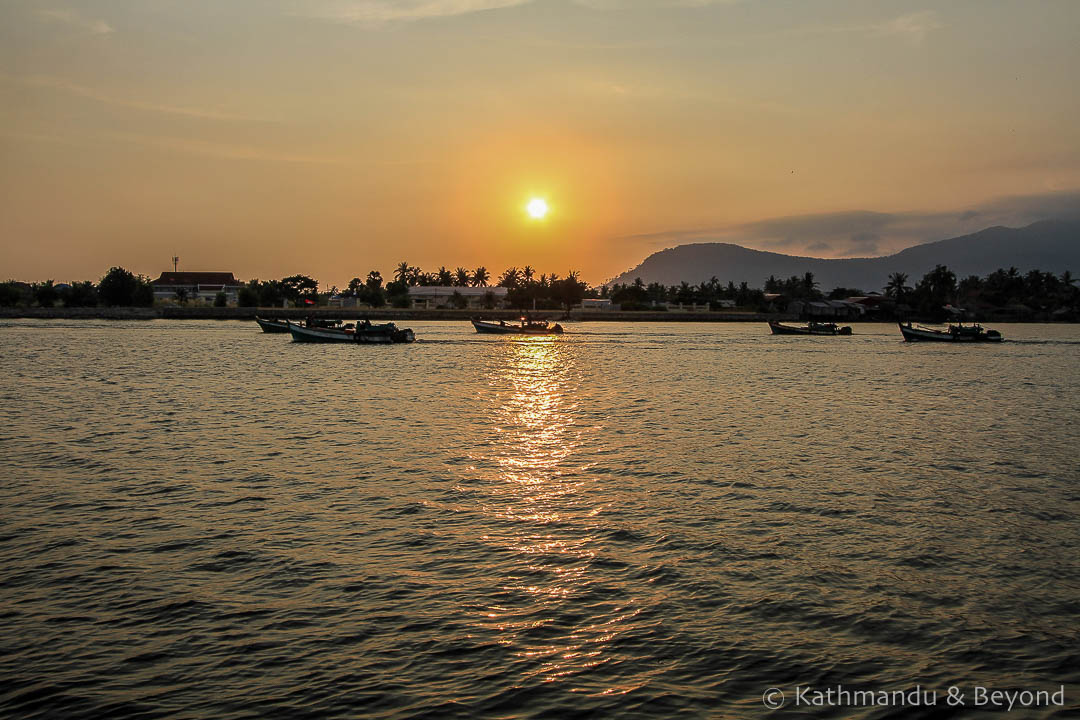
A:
(537, 208)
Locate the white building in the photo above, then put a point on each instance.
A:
(596, 304)
(197, 286)
(430, 297)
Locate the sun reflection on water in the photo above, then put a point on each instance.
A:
(548, 605)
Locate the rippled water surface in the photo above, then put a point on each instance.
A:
(633, 520)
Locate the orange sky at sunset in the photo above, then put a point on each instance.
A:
(330, 138)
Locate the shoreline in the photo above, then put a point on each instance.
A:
(394, 314)
(172, 312)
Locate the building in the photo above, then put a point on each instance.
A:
(430, 297)
(197, 286)
(596, 304)
(826, 309)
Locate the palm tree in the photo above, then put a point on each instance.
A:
(461, 277)
(480, 277)
(510, 278)
(444, 277)
(402, 272)
(527, 273)
(897, 288)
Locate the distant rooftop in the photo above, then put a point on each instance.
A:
(197, 278)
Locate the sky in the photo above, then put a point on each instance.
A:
(332, 137)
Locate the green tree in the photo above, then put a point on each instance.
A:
(247, 296)
(372, 290)
(397, 293)
(14, 293)
(45, 293)
(118, 287)
(841, 293)
(936, 289)
(80, 294)
(144, 291)
(300, 287)
(569, 291)
(510, 278)
(271, 293)
(897, 287)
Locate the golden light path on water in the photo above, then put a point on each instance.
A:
(539, 497)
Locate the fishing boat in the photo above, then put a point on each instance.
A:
(362, 333)
(272, 326)
(811, 328)
(526, 327)
(956, 333)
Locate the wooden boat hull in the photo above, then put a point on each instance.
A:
(272, 326)
(375, 335)
(488, 328)
(920, 334)
(811, 329)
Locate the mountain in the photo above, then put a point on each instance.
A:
(1049, 245)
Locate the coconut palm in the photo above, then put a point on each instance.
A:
(510, 278)
(897, 288)
(401, 274)
(480, 277)
(461, 277)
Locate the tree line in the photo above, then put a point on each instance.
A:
(1032, 293)
(525, 289)
(120, 287)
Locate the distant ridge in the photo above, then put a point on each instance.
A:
(1049, 245)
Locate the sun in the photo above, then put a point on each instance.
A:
(537, 208)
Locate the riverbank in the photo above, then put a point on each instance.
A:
(174, 312)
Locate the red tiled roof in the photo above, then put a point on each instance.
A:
(196, 278)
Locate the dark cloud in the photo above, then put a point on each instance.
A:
(866, 233)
